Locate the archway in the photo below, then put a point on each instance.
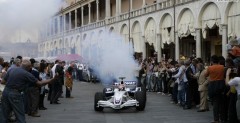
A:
(125, 33)
(136, 37)
(233, 20)
(210, 20)
(186, 32)
(167, 35)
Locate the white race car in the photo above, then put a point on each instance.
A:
(122, 94)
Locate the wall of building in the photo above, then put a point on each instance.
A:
(159, 19)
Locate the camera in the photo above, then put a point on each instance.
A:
(234, 70)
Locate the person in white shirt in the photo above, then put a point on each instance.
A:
(181, 80)
(236, 83)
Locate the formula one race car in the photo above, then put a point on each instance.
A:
(122, 94)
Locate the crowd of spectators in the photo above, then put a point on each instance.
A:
(25, 84)
(188, 82)
(193, 83)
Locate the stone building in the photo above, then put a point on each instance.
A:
(170, 28)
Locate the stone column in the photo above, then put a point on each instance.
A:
(107, 8)
(198, 43)
(131, 4)
(144, 3)
(52, 26)
(70, 23)
(144, 47)
(59, 24)
(120, 6)
(158, 5)
(117, 7)
(46, 30)
(64, 22)
(89, 13)
(82, 15)
(224, 40)
(76, 18)
(97, 2)
(159, 48)
(177, 47)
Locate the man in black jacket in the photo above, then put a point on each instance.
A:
(57, 86)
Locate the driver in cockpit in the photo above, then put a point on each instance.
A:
(121, 86)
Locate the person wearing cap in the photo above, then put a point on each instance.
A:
(16, 81)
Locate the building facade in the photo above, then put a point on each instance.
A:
(168, 28)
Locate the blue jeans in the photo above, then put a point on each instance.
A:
(159, 84)
(183, 93)
(149, 82)
(12, 100)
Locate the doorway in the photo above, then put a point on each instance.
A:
(213, 43)
(149, 50)
(168, 51)
(187, 46)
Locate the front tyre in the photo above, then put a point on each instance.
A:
(98, 96)
(141, 98)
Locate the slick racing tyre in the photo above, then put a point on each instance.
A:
(98, 96)
(143, 88)
(141, 98)
(108, 92)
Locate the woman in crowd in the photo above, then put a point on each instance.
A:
(232, 93)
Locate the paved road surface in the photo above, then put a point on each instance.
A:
(80, 110)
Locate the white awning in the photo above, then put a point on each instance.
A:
(150, 33)
(125, 33)
(211, 17)
(234, 20)
(137, 40)
(186, 24)
(167, 30)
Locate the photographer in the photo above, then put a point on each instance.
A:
(231, 92)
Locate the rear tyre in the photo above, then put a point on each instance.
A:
(98, 96)
(144, 90)
(141, 98)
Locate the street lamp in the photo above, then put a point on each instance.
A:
(129, 2)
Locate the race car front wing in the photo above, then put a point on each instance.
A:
(108, 104)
